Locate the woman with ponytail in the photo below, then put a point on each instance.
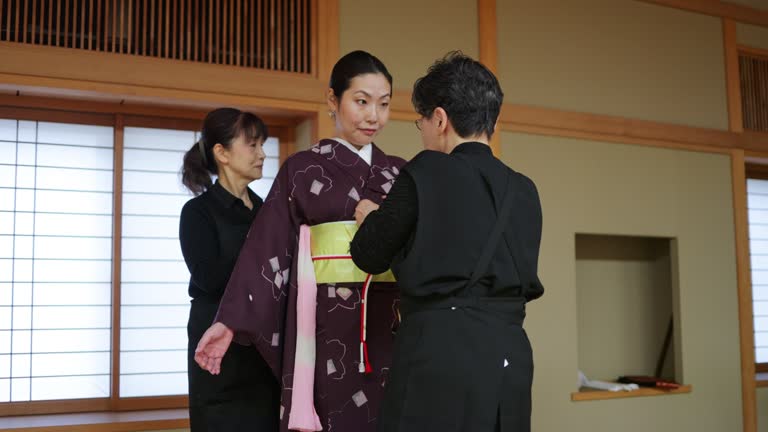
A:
(212, 230)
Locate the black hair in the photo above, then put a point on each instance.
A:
(355, 64)
(221, 126)
(468, 92)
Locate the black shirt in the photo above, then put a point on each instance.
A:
(212, 230)
(451, 200)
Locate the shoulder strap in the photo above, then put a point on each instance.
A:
(511, 238)
(496, 234)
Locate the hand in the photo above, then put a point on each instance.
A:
(363, 208)
(212, 347)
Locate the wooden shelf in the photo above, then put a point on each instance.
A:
(588, 394)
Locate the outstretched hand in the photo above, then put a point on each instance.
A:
(212, 347)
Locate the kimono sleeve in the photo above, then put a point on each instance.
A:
(254, 303)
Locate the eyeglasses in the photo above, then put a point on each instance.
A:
(418, 123)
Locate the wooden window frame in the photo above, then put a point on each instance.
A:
(118, 117)
(757, 171)
(755, 53)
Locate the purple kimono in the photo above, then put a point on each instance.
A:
(323, 184)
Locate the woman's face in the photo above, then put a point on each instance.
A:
(363, 109)
(245, 158)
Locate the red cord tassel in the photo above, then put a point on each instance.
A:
(368, 368)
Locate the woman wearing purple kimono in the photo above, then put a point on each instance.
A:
(323, 326)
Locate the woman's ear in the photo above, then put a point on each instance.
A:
(221, 154)
(332, 101)
(441, 118)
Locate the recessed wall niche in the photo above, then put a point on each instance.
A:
(626, 289)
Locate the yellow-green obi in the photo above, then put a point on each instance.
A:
(332, 240)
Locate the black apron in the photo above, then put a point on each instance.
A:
(463, 362)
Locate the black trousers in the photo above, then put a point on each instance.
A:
(244, 397)
(461, 365)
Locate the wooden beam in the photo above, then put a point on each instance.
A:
(613, 139)
(51, 407)
(99, 422)
(514, 116)
(151, 403)
(323, 125)
(132, 94)
(34, 114)
(717, 8)
(326, 52)
(107, 106)
(744, 290)
(403, 116)
(66, 95)
(555, 122)
(117, 264)
(756, 142)
(101, 111)
(488, 38)
(401, 102)
(287, 138)
(753, 51)
(80, 68)
(732, 77)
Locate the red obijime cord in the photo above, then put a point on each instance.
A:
(365, 363)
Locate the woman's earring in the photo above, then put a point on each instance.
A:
(331, 114)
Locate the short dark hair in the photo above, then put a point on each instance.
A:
(468, 92)
(354, 64)
(221, 126)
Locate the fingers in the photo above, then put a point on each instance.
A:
(212, 347)
(208, 358)
(215, 367)
(203, 342)
(210, 363)
(364, 207)
(201, 357)
(359, 215)
(202, 360)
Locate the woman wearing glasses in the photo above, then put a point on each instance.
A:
(461, 232)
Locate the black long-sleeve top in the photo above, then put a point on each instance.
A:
(212, 230)
(374, 252)
(453, 191)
